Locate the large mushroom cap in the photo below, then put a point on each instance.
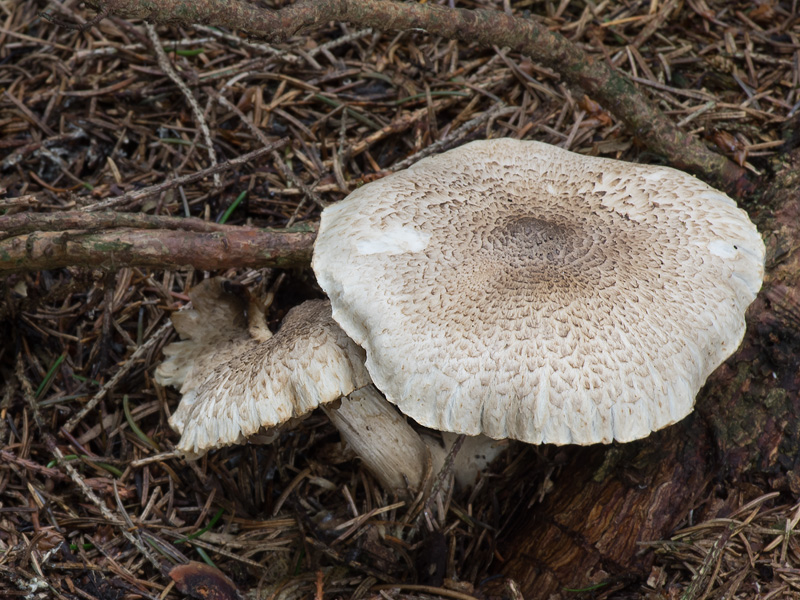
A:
(519, 290)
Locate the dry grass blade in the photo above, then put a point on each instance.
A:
(727, 557)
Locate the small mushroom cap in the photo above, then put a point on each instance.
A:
(522, 291)
(257, 383)
(216, 321)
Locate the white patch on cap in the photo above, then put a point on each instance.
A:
(395, 240)
(722, 249)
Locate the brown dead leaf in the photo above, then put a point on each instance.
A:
(204, 582)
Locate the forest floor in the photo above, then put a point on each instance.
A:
(94, 503)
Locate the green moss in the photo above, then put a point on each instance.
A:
(775, 398)
(611, 460)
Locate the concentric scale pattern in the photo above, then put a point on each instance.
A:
(519, 290)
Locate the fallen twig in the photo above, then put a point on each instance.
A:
(238, 247)
(139, 195)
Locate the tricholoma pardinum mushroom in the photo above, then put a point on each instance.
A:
(238, 380)
(517, 290)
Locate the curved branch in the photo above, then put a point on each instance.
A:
(602, 83)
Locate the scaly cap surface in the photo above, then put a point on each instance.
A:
(239, 385)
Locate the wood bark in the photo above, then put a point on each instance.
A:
(31, 241)
(609, 500)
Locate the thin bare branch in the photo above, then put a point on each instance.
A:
(139, 195)
(166, 66)
(28, 222)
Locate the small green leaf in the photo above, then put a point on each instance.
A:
(206, 558)
(49, 375)
(193, 52)
(200, 532)
(590, 588)
(233, 207)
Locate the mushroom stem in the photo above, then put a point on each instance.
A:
(477, 452)
(381, 437)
